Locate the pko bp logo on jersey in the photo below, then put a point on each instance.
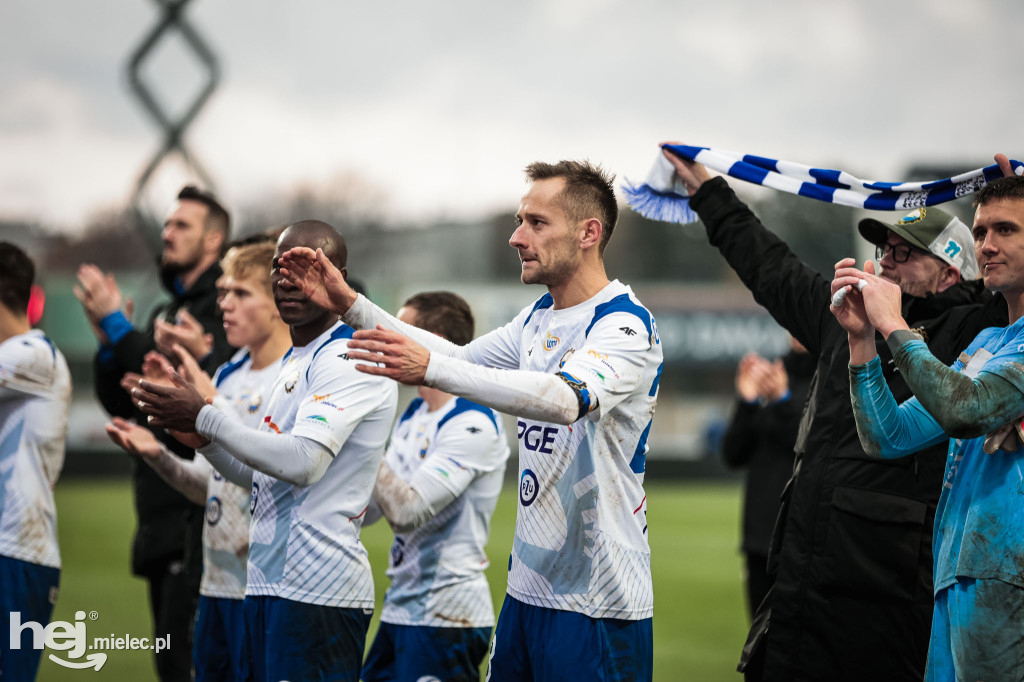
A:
(528, 487)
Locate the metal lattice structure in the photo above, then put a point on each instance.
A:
(172, 19)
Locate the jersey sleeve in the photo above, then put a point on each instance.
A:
(27, 367)
(337, 398)
(615, 360)
(466, 446)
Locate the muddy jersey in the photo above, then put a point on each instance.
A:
(581, 529)
(240, 390)
(437, 570)
(35, 397)
(304, 541)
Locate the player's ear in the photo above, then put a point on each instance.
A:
(590, 235)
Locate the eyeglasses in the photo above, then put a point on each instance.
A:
(900, 252)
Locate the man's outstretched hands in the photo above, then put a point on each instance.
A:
(319, 280)
(401, 358)
(175, 406)
(135, 439)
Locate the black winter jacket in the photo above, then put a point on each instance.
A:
(166, 519)
(852, 556)
(760, 439)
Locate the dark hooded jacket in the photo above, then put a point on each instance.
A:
(167, 521)
(852, 555)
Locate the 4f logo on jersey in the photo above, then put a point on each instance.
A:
(528, 487)
(627, 331)
(537, 438)
(551, 341)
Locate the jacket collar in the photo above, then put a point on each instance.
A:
(932, 305)
(204, 284)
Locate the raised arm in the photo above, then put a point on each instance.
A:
(965, 406)
(885, 428)
(792, 292)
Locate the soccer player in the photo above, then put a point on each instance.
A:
(252, 323)
(35, 394)
(311, 466)
(978, 619)
(166, 549)
(437, 487)
(580, 367)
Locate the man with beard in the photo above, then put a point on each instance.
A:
(580, 368)
(166, 550)
(852, 552)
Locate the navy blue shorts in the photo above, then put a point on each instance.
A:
(218, 641)
(290, 640)
(548, 645)
(30, 590)
(411, 652)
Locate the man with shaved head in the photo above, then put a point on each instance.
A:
(311, 464)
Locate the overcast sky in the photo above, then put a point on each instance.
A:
(441, 104)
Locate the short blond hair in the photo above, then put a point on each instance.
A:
(250, 261)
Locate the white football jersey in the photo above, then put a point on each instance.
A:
(304, 542)
(35, 396)
(241, 389)
(581, 529)
(437, 570)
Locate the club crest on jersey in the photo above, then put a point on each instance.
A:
(551, 341)
(290, 383)
(252, 402)
(565, 357)
(528, 488)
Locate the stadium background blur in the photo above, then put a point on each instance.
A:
(805, 81)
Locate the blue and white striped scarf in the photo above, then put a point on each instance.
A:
(662, 195)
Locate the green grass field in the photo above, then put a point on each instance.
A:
(699, 623)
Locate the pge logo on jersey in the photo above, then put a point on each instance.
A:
(535, 437)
